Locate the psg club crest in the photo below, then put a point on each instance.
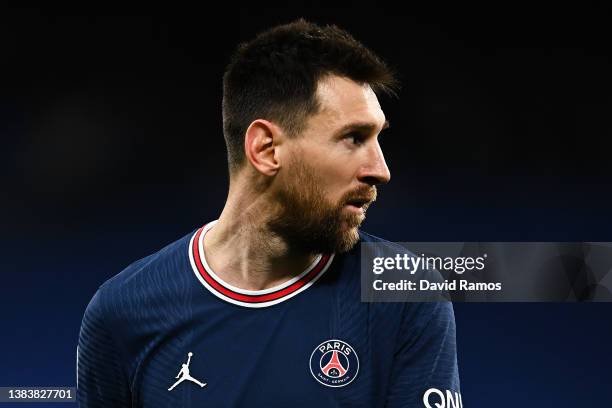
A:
(334, 363)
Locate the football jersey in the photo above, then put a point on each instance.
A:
(168, 332)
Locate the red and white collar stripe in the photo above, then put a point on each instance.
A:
(250, 298)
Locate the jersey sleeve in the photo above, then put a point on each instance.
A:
(425, 371)
(101, 378)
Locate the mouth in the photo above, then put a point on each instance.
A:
(359, 200)
(359, 204)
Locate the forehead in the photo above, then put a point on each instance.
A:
(343, 101)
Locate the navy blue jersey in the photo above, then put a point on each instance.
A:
(168, 332)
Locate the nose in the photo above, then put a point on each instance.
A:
(375, 170)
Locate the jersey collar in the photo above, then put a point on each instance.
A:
(251, 298)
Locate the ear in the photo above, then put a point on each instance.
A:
(260, 146)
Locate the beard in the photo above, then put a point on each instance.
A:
(308, 222)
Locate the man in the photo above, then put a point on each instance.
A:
(265, 301)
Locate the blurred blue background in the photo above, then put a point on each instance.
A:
(110, 123)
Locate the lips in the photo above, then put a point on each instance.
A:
(361, 198)
(359, 202)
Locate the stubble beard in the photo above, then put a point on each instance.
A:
(308, 222)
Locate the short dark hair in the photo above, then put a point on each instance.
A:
(275, 77)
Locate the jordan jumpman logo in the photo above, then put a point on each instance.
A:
(184, 374)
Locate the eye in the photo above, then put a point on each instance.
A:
(355, 138)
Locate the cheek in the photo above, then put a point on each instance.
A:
(335, 182)
(339, 171)
(333, 174)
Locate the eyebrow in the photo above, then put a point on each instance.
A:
(365, 127)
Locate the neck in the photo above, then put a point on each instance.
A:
(241, 249)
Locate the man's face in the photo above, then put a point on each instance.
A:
(329, 173)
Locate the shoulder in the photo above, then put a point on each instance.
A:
(381, 245)
(371, 246)
(418, 314)
(164, 261)
(145, 283)
(146, 297)
(367, 237)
